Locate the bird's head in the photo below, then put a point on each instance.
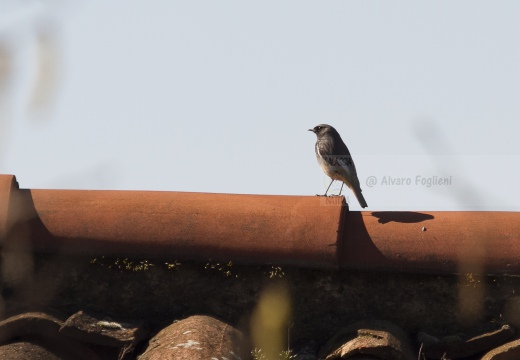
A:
(322, 130)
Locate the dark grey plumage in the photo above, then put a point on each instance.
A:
(335, 160)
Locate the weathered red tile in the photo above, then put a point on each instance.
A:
(196, 337)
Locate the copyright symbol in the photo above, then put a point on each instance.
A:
(371, 181)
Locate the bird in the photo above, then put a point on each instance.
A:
(335, 160)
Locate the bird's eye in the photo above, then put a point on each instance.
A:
(318, 127)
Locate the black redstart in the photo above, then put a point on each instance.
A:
(335, 160)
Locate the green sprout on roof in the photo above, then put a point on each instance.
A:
(225, 269)
(135, 265)
(258, 354)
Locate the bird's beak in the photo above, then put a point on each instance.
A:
(311, 130)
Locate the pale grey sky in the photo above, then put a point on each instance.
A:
(217, 96)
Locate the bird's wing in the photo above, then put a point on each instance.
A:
(337, 156)
(345, 166)
(344, 159)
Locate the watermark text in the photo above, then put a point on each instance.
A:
(418, 180)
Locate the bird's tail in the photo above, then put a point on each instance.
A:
(359, 197)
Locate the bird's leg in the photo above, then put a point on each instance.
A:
(342, 183)
(328, 187)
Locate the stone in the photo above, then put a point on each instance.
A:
(369, 340)
(99, 330)
(197, 337)
(45, 328)
(31, 323)
(509, 351)
(26, 351)
(455, 347)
